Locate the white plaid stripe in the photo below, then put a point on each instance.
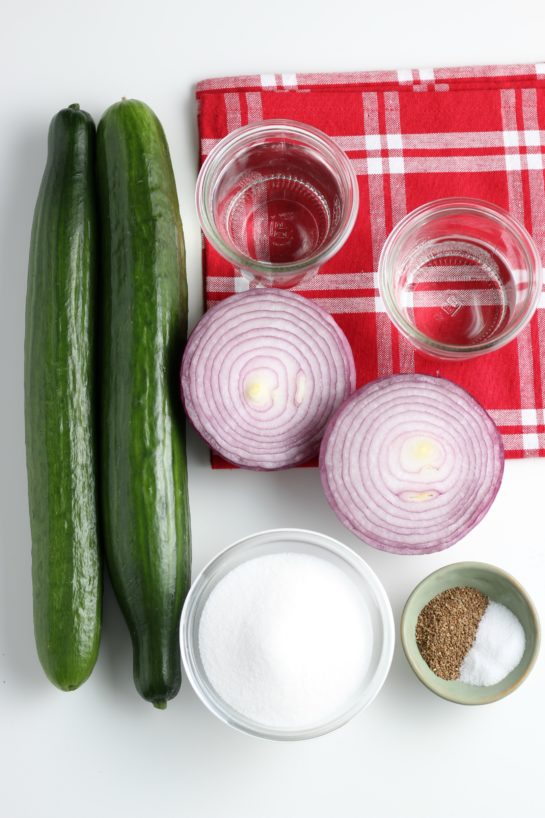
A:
(344, 305)
(260, 222)
(232, 110)
(423, 142)
(255, 107)
(374, 166)
(458, 298)
(378, 237)
(268, 81)
(516, 207)
(324, 281)
(426, 74)
(517, 417)
(207, 145)
(541, 337)
(537, 214)
(529, 138)
(221, 284)
(394, 143)
(234, 120)
(531, 441)
(341, 281)
(533, 136)
(376, 190)
(528, 443)
(260, 229)
(371, 141)
(529, 417)
(524, 161)
(289, 80)
(360, 281)
(405, 75)
(526, 367)
(514, 180)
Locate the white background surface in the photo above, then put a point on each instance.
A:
(102, 751)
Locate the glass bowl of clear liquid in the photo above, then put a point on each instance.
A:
(459, 277)
(277, 200)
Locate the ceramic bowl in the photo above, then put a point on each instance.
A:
(498, 586)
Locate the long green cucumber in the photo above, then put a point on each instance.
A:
(144, 325)
(59, 414)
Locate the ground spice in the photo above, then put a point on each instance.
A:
(446, 629)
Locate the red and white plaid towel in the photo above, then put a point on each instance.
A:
(412, 136)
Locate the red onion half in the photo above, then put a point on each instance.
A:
(411, 463)
(261, 375)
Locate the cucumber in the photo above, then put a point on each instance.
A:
(144, 326)
(59, 414)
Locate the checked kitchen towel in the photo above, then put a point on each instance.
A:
(412, 136)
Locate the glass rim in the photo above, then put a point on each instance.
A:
(458, 205)
(236, 139)
(215, 569)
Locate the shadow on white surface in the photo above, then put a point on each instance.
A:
(114, 665)
(18, 192)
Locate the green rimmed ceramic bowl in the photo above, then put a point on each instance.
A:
(498, 586)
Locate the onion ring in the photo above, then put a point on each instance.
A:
(261, 375)
(411, 463)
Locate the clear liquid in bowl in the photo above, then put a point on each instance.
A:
(457, 291)
(281, 205)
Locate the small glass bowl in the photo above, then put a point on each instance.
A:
(277, 541)
(277, 199)
(459, 277)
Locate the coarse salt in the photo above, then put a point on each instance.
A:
(497, 649)
(286, 640)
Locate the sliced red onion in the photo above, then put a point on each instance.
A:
(411, 463)
(261, 375)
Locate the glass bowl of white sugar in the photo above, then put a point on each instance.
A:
(287, 634)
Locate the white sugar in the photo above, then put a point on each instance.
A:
(286, 640)
(498, 647)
